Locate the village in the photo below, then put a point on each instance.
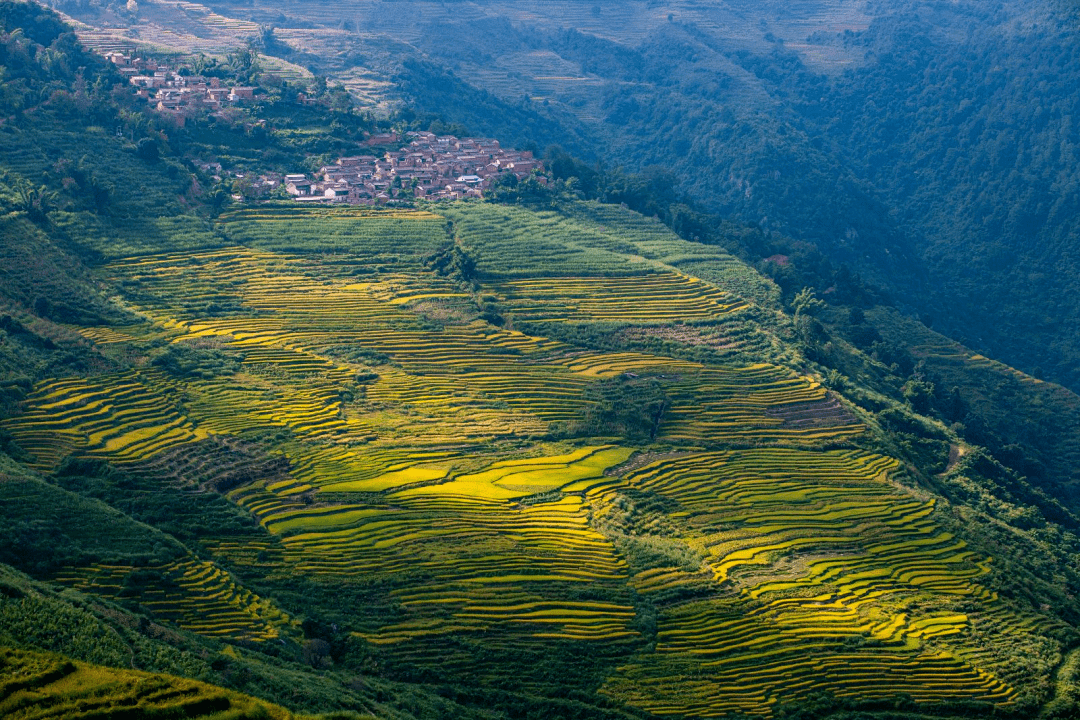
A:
(432, 167)
(169, 91)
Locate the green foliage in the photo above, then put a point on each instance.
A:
(506, 188)
(805, 303)
(147, 149)
(627, 407)
(48, 528)
(452, 262)
(31, 616)
(920, 394)
(35, 202)
(1033, 427)
(187, 360)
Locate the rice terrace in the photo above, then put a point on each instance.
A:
(496, 466)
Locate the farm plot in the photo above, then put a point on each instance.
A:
(454, 374)
(822, 549)
(238, 403)
(644, 299)
(339, 469)
(302, 323)
(118, 417)
(586, 239)
(468, 553)
(193, 594)
(38, 686)
(398, 234)
(725, 339)
(753, 403)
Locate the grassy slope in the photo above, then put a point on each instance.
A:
(595, 238)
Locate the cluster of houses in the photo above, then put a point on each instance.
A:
(168, 91)
(434, 167)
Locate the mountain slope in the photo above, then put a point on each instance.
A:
(41, 686)
(493, 460)
(467, 483)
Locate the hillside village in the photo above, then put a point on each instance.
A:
(168, 90)
(434, 167)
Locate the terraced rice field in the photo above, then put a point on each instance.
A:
(487, 557)
(397, 234)
(192, 594)
(820, 548)
(660, 298)
(413, 459)
(758, 402)
(118, 417)
(292, 321)
(37, 686)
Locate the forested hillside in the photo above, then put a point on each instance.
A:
(535, 456)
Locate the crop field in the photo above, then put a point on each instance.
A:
(486, 559)
(192, 594)
(499, 382)
(822, 548)
(409, 459)
(660, 298)
(592, 240)
(398, 234)
(118, 417)
(754, 403)
(37, 686)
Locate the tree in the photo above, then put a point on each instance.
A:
(267, 39)
(920, 394)
(316, 653)
(36, 202)
(243, 63)
(219, 197)
(202, 65)
(147, 150)
(99, 192)
(805, 303)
